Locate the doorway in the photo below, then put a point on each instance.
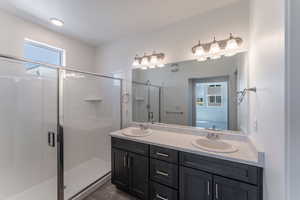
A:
(210, 103)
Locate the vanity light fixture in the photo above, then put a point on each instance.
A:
(149, 61)
(217, 48)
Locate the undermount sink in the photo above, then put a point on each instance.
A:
(137, 132)
(214, 145)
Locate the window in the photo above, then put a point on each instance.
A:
(44, 53)
(200, 101)
(40, 52)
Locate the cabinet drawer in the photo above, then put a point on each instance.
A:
(221, 167)
(161, 192)
(164, 154)
(135, 147)
(164, 173)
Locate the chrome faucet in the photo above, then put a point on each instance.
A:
(143, 127)
(151, 117)
(212, 136)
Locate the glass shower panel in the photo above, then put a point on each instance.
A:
(140, 102)
(91, 110)
(155, 103)
(28, 111)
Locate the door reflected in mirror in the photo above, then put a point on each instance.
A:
(192, 93)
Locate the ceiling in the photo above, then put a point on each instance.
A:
(99, 21)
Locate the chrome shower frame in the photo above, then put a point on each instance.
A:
(60, 131)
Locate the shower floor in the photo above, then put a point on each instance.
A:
(76, 179)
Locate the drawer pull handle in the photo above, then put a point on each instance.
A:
(124, 161)
(160, 197)
(217, 192)
(161, 173)
(208, 188)
(162, 154)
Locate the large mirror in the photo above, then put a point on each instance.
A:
(192, 93)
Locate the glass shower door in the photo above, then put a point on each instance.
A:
(91, 110)
(28, 121)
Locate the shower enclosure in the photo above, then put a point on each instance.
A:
(146, 102)
(54, 129)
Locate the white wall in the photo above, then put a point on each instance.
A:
(267, 106)
(293, 96)
(175, 40)
(14, 30)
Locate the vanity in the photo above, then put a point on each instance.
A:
(195, 147)
(166, 165)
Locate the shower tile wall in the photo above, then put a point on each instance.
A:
(87, 125)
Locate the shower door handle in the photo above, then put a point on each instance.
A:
(51, 139)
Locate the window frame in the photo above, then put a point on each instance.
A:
(61, 51)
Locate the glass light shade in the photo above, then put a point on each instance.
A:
(144, 68)
(151, 66)
(135, 62)
(201, 59)
(145, 61)
(199, 51)
(154, 60)
(214, 48)
(231, 44)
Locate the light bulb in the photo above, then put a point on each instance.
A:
(135, 62)
(160, 62)
(201, 59)
(153, 60)
(214, 48)
(151, 66)
(144, 68)
(145, 61)
(231, 44)
(199, 51)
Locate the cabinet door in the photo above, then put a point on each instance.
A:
(226, 189)
(195, 184)
(120, 174)
(139, 172)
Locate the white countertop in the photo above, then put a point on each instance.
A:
(246, 153)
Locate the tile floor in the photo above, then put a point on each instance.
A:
(109, 192)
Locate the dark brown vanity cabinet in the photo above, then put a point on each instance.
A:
(156, 173)
(130, 170)
(195, 184)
